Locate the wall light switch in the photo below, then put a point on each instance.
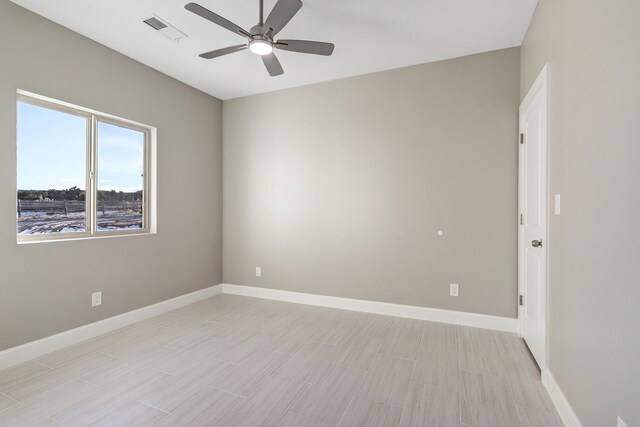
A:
(557, 205)
(453, 290)
(258, 271)
(96, 299)
(621, 423)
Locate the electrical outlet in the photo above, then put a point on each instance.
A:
(453, 289)
(96, 299)
(258, 271)
(621, 423)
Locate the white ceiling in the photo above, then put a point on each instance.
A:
(370, 35)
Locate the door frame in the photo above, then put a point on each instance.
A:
(541, 84)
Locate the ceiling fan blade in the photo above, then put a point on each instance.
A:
(216, 19)
(280, 15)
(273, 65)
(224, 51)
(306, 46)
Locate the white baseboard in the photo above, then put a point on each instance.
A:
(34, 349)
(409, 311)
(566, 412)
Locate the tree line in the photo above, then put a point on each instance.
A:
(74, 193)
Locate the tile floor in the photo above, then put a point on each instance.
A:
(239, 361)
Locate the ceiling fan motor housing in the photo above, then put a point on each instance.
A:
(256, 29)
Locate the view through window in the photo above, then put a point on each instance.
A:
(120, 177)
(78, 173)
(52, 164)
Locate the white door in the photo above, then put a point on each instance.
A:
(533, 236)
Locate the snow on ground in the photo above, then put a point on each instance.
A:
(43, 223)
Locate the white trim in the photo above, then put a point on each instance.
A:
(34, 349)
(566, 412)
(412, 312)
(541, 83)
(78, 108)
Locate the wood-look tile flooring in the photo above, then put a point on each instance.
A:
(238, 361)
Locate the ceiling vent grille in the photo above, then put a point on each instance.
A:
(163, 27)
(155, 23)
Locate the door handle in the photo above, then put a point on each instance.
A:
(536, 243)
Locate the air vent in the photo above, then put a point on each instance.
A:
(163, 27)
(155, 23)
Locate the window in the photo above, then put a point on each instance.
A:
(80, 173)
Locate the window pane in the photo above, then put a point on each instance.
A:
(52, 157)
(120, 177)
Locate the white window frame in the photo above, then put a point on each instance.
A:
(91, 193)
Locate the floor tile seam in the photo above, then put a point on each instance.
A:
(37, 362)
(64, 381)
(448, 390)
(151, 406)
(9, 397)
(18, 403)
(214, 322)
(374, 357)
(398, 357)
(51, 417)
(107, 354)
(324, 342)
(165, 372)
(304, 389)
(353, 398)
(380, 401)
(75, 359)
(460, 338)
(413, 373)
(437, 347)
(515, 404)
(527, 405)
(218, 388)
(494, 376)
(484, 374)
(27, 402)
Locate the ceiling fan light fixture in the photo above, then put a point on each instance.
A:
(260, 47)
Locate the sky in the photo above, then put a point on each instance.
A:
(52, 152)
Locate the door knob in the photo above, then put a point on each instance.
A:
(536, 243)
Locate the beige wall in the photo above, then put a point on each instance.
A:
(340, 188)
(593, 48)
(45, 288)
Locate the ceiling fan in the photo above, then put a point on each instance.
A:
(260, 37)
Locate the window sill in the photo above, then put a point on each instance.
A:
(56, 239)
